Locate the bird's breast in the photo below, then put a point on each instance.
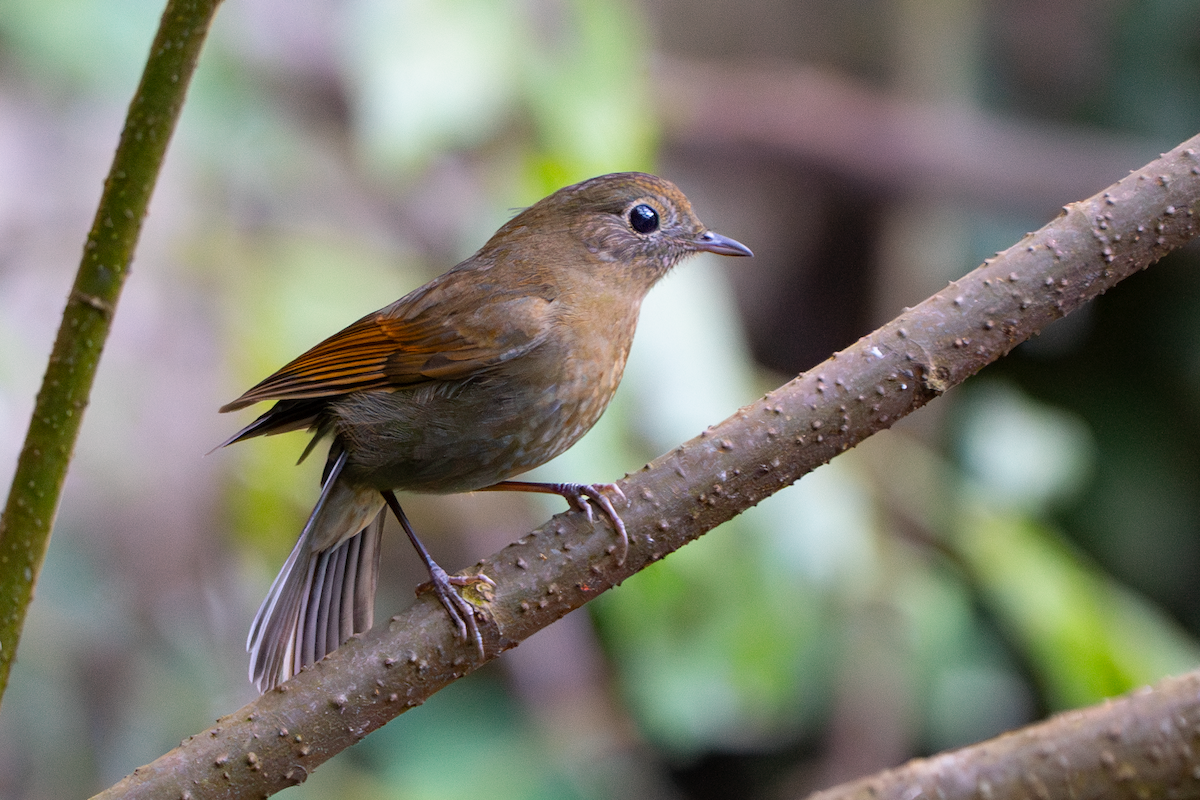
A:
(456, 436)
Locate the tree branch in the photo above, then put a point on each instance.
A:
(1140, 745)
(280, 738)
(58, 412)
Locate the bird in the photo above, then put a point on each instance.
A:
(487, 371)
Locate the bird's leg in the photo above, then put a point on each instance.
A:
(461, 612)
(578, 495)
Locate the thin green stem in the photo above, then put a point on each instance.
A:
(37, 485)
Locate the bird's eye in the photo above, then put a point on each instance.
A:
(643, 218)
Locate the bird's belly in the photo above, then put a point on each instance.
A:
(458, 437)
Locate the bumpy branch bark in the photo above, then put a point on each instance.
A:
(280, 738)
(42, 466)
(1136, 747)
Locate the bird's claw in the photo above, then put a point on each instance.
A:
(598, 493)
(461, 610)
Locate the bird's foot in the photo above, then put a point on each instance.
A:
(579, 495)
(460, 609)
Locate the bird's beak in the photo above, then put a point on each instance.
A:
(721, 245)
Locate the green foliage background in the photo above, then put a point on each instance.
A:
(1027, 544)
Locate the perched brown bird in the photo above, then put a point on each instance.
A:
(491, 369)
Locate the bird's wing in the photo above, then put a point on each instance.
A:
(442, 332)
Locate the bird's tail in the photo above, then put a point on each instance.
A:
(325, 592)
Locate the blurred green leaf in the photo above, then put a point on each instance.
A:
(1023, 454)
(1087, 637)
(709, 652)
(586, 82)
(964, 681)
(429, 76)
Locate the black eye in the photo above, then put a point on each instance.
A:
(643, 218)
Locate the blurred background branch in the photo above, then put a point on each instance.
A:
(817, 117)
(1141, 743)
